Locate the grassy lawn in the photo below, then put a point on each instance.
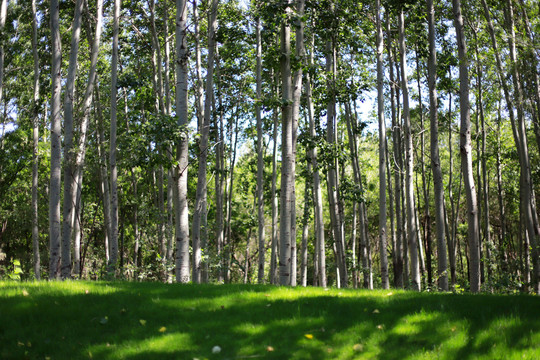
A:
(119, 320)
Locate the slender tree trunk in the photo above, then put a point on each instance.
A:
(69, 151)
(465, 150)
(320, 247)
(113, 241)
(397, 257)
(56, 133)
(3, 16)
(332, 183)
(305, 231)
(382, 152)
(219, 181)
(275, 241)
(438, 187)
(204, 130)
(35, 133)
(409, 193)
(260, 157)
(527, 186)
(287, 156)
(181, 171)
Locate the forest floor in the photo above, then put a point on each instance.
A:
(121, 320)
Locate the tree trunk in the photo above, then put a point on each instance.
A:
(35, 133)
(260, 157)
(382, 151)
(465, 150)
(180, 175)
(287, 157)
(113, 241)
(320, 247)
(69, 151)
(397, 257)
(438, 187)
(275, 241)
(409, 193)
(204, 130)
(332, 183)
(527, 186)
(56, 143)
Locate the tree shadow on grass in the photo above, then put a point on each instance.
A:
(149, 321)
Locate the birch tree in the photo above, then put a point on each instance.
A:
(438, 187)
(56, 133)
(35, 133)
(180, 171)
(382, 151)
(466, 150)
(409, 166)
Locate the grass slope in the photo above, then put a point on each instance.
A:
(81, 320)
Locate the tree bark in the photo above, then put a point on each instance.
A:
(382, 151)
(466, 152)
(438, 187)
(287, 155)
(260, 157)
(35, 133)
(320, 247)
(204, 130)
(56, 143)
(409, 193)
(181, 173)
(69, 151)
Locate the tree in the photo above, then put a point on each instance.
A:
(56, 129)
(180, 171)
(409, 189)
(438, 187)
(287, 154)
(465, 150)
(382, 151)
(35, 133)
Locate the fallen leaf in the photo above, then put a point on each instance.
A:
(142, 322)
(453, 328)
(162, 329)
(358, 347)
(268, 305)
(329, 350)
(20, 343)
(309, 336)
(86, 291)
(380, 327)
(269, 348)
(123, 311)
(25, 293)
(390, 294)
(267, 295)
(376, 311)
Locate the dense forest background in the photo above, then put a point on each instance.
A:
(327, 143)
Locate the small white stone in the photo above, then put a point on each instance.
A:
(216, 350)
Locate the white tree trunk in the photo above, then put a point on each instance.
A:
(466, 151)
(260, 156)
(181, 170)
(409, 186)
(56, 143)
(287, 156)
(204, 131)
(382, 152)
(435, 159)
(35, 132)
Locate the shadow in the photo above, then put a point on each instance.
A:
(156, 321)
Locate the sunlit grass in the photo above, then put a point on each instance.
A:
(119, 320)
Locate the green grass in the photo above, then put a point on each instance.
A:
(119, 320)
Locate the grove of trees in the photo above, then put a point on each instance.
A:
(372, 144)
